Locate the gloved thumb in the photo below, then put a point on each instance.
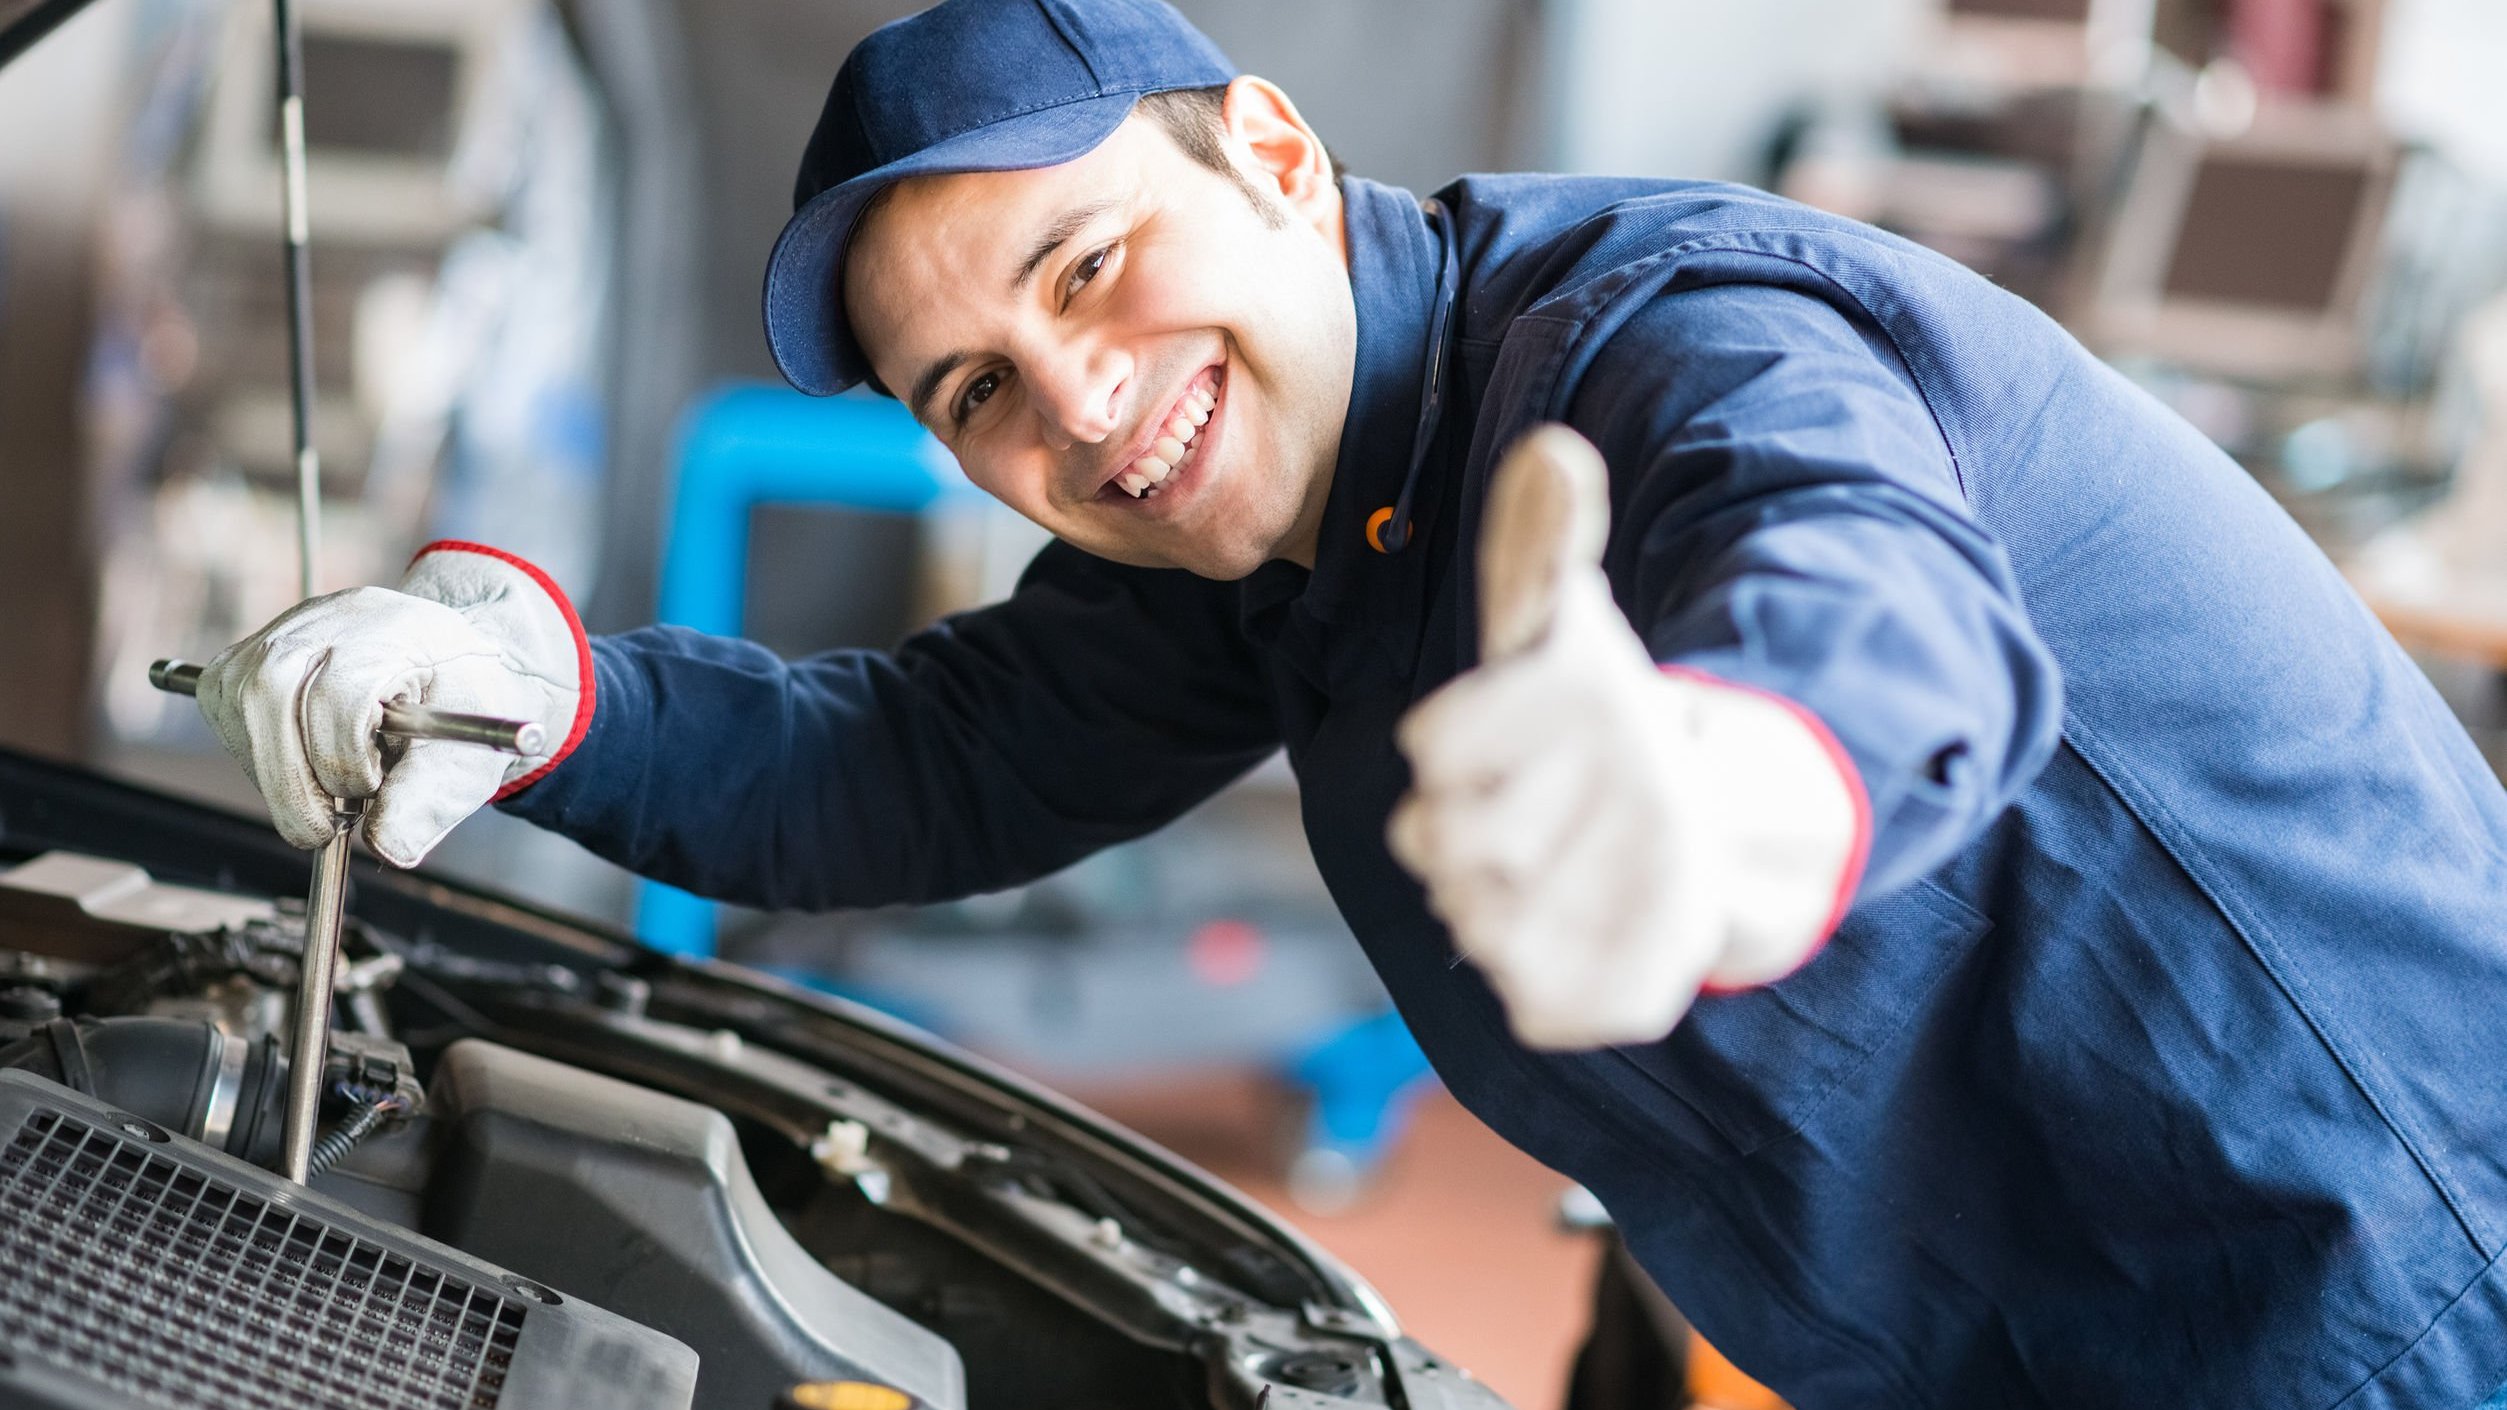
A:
(1547, 518)
(429, 789)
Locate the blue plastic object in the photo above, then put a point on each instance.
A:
(1364, 1079)
(744, 445)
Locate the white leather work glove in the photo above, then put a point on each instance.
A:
(471, 629)
(1606, 838)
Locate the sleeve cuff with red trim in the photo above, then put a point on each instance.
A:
(522, 609)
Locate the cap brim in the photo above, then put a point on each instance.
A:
(806, 326)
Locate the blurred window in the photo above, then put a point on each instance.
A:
(378, 97)
(2267, 232)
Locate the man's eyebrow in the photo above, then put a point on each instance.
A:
(930, 382)
(1070, 223)
(1063, 229)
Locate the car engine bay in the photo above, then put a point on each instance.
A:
(558, 1169)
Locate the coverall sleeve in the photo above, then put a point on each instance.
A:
(1788, 516)
(1094, 704)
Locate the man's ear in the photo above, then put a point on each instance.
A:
(1287, 156)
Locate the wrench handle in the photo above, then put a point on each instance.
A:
(399, 720)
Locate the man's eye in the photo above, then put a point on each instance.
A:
(1089, 267)
(977, 392)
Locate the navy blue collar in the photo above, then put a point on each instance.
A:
(1397, 257)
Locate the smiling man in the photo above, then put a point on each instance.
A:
(1952, 868)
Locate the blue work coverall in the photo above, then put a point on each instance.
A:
(2162, 1059)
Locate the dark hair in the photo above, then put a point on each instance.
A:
(1197, 119)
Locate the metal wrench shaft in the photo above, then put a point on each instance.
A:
(326, 910)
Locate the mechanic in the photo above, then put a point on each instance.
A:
(1991, 915)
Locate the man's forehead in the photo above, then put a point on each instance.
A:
(999, 207)
(936, 249)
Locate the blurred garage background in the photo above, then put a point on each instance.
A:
(539, 227)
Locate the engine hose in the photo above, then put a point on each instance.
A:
(353, 1128)
(182, 1074)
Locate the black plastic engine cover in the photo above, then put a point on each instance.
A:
(145, 1268)
(584, 1181)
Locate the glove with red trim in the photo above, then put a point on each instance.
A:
(472, 629)
(1605, 837)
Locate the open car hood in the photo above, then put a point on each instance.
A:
(1034, 1222)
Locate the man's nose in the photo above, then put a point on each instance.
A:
(1078, 398)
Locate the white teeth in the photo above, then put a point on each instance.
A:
(1171, 448)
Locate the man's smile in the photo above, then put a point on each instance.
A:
(1158, 461)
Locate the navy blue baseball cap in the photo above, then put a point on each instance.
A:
(970, 85)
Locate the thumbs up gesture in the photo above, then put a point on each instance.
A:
(1604, 836)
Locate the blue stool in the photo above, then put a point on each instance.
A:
(746, 445)
(1364, 1080)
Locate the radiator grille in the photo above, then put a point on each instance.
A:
(174, 1286)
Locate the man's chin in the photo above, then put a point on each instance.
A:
(1225, 562)
(1217, 567)
(1231, 561)
(1232, 571)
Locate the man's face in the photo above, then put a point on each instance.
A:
(1131, 319)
